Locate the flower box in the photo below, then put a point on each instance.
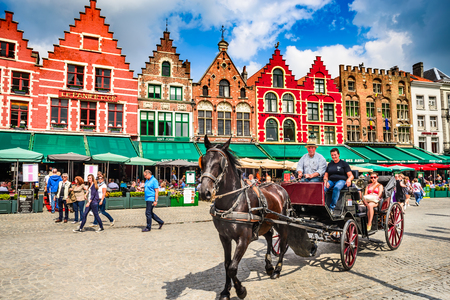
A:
(118, 202)
(38, 204)
(137, 202)
(440, 194)
(432, 192)
(20, 92)
(5, 206)
(163, 201)
(176, 201)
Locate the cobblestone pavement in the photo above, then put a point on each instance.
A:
(43, 260)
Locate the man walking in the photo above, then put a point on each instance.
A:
(52, 188)
(62, 195)
(151, 199)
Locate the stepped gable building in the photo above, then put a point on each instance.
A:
(86, 85)
(19, 77)
(165, 96)
(225, 106)
(292, 111)
(377, 105)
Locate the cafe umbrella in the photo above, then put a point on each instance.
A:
(70, 158)
(139, 161)
(110, 157)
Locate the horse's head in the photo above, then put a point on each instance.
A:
(213, 165)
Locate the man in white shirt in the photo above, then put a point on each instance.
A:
(312, 165)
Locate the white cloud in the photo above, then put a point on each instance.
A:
(253, 67)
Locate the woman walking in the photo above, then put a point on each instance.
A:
(92, 204)
(78, 206)
(418, 191)
(102, 204)
(409, 191)
(400, 190)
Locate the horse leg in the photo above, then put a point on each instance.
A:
(226, 244)
(241, 246)
(283, 233)
(268, 259)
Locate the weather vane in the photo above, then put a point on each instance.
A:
(223, 31)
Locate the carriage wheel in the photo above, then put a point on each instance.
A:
(394, 226)
(276, 243)
(349, 244)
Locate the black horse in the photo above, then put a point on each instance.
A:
(221, 182)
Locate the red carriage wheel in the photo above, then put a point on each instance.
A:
(349, 244)
(395, 223)
(276, 244)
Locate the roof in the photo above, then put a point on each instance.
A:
(435, 74)
(301, 80)
(254, 78)
(418, 78)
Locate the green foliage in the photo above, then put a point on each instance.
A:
(137, 194)
(165, 193)
(4, 197)
(115, 194)
(176, 194)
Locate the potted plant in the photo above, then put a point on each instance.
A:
(5, 204)
(137, 200)
(20, 92)
(116, 200)
(176, 198)
(440, 192)
(163, 199)
(88, 127)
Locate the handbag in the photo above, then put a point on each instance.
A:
(371, 198)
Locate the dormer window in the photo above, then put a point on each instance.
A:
(319, 86)
(278, 78)
(7, 50)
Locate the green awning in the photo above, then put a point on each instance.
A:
(293, 152)
(115, 145)
(372, 156)
(376, 168)
(445, 158)
(14, 140)
(424, 155)
(49, 144)
(241, 150)
(159, 151)
(396, 155)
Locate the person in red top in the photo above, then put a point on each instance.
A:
(371, 197)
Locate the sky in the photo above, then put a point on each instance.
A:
(381, 34)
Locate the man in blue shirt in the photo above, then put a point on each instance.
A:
(151, 199)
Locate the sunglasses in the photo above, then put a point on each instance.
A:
(373, 177)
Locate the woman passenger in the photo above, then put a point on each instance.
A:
(371, 197)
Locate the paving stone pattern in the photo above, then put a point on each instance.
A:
(43, 260)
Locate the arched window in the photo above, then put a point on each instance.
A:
(204, 117)
(224, 118)
(351, 84)
(288, 103)
(401, 88)
(205, 90)
(243, 119)
(224, 88)
(271, 102)
(243, 93)
(377, 86)
(278, 78)
(165, 69)
(271, 130)
(289, 131)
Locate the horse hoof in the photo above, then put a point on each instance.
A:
(275, 275)
(243, 293)
(269, 271)
(224, 297)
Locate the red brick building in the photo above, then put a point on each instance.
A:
(297, 111)
(19, 77)
(85, 83)
(225, 106)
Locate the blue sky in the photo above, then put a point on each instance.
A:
(379, 33)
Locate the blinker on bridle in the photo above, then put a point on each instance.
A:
(223, 165)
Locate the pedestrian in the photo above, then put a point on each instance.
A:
(52, 188)
(400, 190)
(418, 191)
(151, 200)
(79, 191)
(92, 204)
(102, 204)
(63, 195)
(409, 191)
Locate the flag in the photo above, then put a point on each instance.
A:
(371, 124)
(386, 124)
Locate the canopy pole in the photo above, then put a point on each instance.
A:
(17, 177)
(107, 171)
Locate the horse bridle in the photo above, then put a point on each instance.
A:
(223, 165)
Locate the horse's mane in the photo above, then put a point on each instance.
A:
(233, 161)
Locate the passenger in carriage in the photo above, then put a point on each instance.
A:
(337, 175)
(312, 165)
(371, 197)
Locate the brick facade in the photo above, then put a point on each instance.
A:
(390, 99)
(155, 95)
(219, 106)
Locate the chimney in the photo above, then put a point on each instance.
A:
(244, 74)
(418, 69)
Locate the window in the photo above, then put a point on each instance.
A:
(353, 133)
(243, 124)
(19, 114)
(435, 145)
(387, 134)
(313, 133)
(75, 76)
(176, 93)
(328, 112)
(271, 130)
(182, 125)
(313, 111)
(165, 69)
(88, 114)
(271, 102)
(371, 133)
(351, 84)
(20, 83)
(289, 131)
(386, 110)
(401, 90)
(224, 88)
(402, 111)
(329, 135)
(352, 108)
(288, 103)
(224, 123)
(164, 124)
(204, 122)
(421, 122)
(403, 135)
(278, 78)
(115, 117)
(148, 123)
(154, 91)
(377, 87)
(423, 143)
(433, 123)
(432, 102)
(7, 50)
(59, 109)
(370, 109)
(205, 90)
(419, 101)
(102, 80)
(242, 94)
(319, 86)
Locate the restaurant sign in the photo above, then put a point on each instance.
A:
(87, 96)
